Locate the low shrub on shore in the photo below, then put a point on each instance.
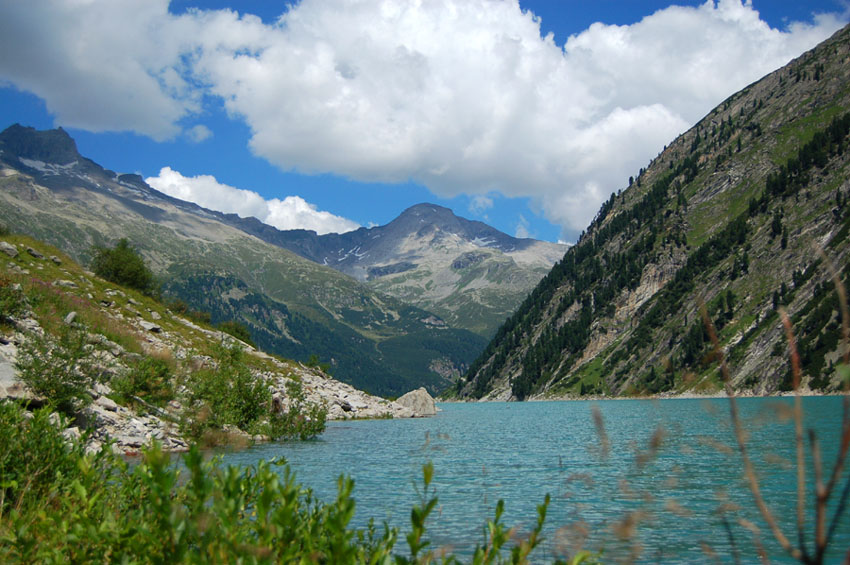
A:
(60, 505)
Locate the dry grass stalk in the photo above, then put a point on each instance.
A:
(749, 470)
(598, 421)
(798, 429)
(823, 491)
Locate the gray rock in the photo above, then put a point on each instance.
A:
(150, 326)
(10, 385)
(130, 440)
(56, 260)
(419, 401)
(106, 403)
(69, 319)
(34, 253)
(8, 249)
(344, 404)
(65, 283)
(155, 315)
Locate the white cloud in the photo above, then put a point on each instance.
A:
(463, 96)
(101, 65)
(293, 212)
(199, 133)
(522, 228)
(480, 204)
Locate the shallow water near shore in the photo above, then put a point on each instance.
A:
(666, 506)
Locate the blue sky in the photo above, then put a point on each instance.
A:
(329, 114)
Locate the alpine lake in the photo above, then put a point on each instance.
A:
(664, 482)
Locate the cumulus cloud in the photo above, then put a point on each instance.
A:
(480, 204)
(101, 65)
(199, 133)
(463, 96)
(293, 212)
(522, 228)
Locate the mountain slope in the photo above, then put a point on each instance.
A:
(470, 274)
(730, 215)
(293, 306)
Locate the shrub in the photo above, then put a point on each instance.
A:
(60, 369)
(148, 379)
(123, 265)
(230, 394)
(34, 457)
(12, 300)
(60, 505)
(237, 330)
(303, 420)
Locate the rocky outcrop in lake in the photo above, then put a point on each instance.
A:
(419, 402)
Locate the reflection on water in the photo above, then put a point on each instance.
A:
(656, 479)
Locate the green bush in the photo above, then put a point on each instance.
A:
(303, 420)
(237, 330)
(12, 300)
(230, 395)
(36, 462)
(123, 265)
(149, 379)
(60, 369)
(229, 392)
(60, 505)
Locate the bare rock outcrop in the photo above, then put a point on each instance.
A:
(420, 402)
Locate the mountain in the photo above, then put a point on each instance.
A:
(732, 215)
(292, 306)
(470, 274)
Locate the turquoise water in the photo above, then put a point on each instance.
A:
(519, 452)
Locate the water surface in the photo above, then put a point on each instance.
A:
(666, 505)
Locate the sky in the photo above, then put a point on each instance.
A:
(335, 114)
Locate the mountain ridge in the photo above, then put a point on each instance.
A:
(467, 272)
(409, 258)
(294, 306)
(726, 216)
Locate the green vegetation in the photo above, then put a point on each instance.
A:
(149, 379)
(238, 330)
(59, 504)
(61, 369)
(123, 265)
(84, 339)
(11, 300)
(229, 395)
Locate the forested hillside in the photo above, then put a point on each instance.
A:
(745, 213)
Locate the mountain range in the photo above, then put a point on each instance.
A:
(389, 308)
(743, 216)
(468, 273)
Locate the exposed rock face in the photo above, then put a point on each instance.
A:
(420, 402)
(8, 249)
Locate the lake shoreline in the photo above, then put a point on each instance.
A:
(667, 396)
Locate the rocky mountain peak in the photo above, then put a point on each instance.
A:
(53, 146)
(425, 219)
